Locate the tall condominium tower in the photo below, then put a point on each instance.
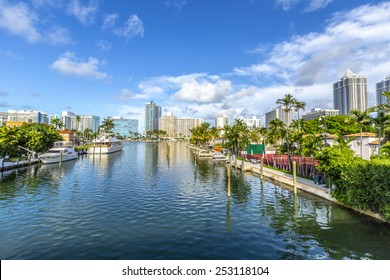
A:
(279, 113)
(152, 114)
(221, 121)
(350, 93)
(382, 87)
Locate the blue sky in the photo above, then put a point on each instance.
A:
(195, 58)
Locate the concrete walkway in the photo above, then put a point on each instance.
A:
(302, 184)
(287, 179)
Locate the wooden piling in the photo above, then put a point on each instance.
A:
(228, 175)
(295, 176)
(261, 167)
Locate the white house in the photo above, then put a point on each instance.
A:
(368, 146)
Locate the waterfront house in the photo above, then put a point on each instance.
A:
(369, 144)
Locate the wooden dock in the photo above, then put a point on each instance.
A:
(14, 165)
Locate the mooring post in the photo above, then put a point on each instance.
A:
(228, 175)
(60, 157)
(261, 167)
(295, 176)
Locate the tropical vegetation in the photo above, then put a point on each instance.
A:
(35, 137)
(358, 183)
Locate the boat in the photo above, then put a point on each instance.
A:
(61, 151)
(219, 157)
(105, 144)
(204, 153)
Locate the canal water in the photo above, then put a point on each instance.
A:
(156, 201)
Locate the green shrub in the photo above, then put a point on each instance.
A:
(361, 184)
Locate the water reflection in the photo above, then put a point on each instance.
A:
(151, 201)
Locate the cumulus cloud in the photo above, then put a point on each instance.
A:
(353, 39)
(202, 92)
(68, 64)
(19, 20)
(84, 13)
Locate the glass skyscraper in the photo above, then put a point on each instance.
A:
(152, 114)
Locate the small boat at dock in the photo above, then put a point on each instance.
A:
(219, 157)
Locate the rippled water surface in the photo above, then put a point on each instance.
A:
(155, 201)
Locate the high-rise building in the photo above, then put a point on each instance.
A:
(382, 87)
(124, 127)
(350, 93)
(71, 121)
(279, 113)
(26, 116)
(252, 122)
(168, 124)
(184, 126)
(178, 127)
(318, 112)
(221, 121)
(152, 114)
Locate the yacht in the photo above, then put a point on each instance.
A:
(105, 144)
(61, 151)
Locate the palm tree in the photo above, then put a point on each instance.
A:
(276, 132)
(78, 119)
(387, 104)
(299, 105)
(381, 121)
(87, 133)
(288, 102)
(361, 118)
(237, 136)
(107, 125)
(57, 123)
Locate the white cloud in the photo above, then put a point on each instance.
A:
(109, 21)
(85, 14)
(317, 4)
(203, 92)
(19, 20)
(354, 39)
(176, 4)
(287, 4)
(68, 64)
(104, 45)
(58, 35)
(312, 6)
(132, 27)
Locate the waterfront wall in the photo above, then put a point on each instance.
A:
(302, 184)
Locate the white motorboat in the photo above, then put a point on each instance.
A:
(61, 151)
(105, 144)
(204, 153)
(219, 157)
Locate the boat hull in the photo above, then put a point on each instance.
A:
(47, 159)
(106, 149)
